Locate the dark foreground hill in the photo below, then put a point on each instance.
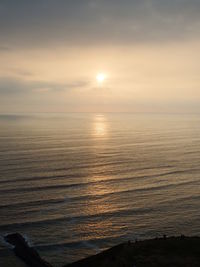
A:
(159, 252)
(173, 252)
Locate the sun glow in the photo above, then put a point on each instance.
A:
(101, 77)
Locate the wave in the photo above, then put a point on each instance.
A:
(64, 176)
(33, 203)
(103, 215)
(91, 243)
(74, 219)
(66, 186)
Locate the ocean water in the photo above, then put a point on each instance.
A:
(74, 184)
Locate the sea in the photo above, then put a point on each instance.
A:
(74, 184)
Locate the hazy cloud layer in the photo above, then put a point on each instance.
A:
(45, 22)
(10, 86)
(52, 50)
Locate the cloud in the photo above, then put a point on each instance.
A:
(4, 48)
(10, 85)
(42, 22)
(20, 72)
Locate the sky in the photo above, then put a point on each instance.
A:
(51, 52)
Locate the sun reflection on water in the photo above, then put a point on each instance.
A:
(100, 126)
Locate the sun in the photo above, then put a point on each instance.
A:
(101, 77)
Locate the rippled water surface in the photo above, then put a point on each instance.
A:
(75, 184)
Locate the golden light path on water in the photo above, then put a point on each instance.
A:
(100, 126)
(100, 136)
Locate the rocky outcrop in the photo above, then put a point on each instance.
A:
(23, 251)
